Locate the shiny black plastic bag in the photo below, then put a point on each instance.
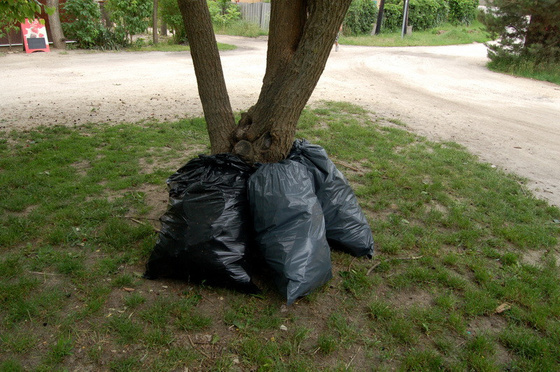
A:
(346, 225)
(290, 228)
(205, 231)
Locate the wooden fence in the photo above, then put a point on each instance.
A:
(258, 13)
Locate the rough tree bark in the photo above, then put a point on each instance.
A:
(59, 41)
(301, 36)
(209, 74)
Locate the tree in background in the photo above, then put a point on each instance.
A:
(155, 22)
(17, 11)
(527, 30)
(12, 13)
(130, 17)
(58, 39)
(82, 23)
(170, 15)
(301, 36)
(223, 12)
(360, 17)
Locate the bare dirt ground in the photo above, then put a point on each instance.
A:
(443, 93)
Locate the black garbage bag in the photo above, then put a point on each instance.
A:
(346, 225)
(290, 228)
(206, 230)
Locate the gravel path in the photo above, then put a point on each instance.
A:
(444, 93)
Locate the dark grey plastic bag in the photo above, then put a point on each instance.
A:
(206, 230)
(346, 225)
(290, 228)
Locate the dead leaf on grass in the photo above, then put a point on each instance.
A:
(503, 307)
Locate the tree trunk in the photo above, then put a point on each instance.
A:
(155, 23)
(163, 29)
(59, 41)
(301, 36)
(380, 17)
(105, 16)
(209, 74)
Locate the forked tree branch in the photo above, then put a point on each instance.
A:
(301, 36)
(292, 74)
(209, 74)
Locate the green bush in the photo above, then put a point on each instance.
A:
(426, 14)
(130, 17)
(422, 14)
(360, 18)
(223, 12)
(462, 11)
(82, 22)
(392, 17)
(170, 14)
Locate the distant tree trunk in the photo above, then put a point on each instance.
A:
(59, 41)
(105, 16)
(163, 29)
(301, 36)
(155, 23)
(380, 17)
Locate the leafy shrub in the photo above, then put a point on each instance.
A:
(223, 12)
(422, 14)
(82, 22)
(462, 11)
(170, 14)
(426, 14)
(130, 17)
(392, 17)
(360, 18)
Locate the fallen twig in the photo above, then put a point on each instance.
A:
(197, 349)
(348, 166)
(396, 259)
(137, 220)
(373, 267)
(43, 273)
(350, 264)
(353, 357)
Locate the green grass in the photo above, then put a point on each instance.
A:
(444, 35)
(240, 28)
(455, 240)
(170, 47)
(519, 67)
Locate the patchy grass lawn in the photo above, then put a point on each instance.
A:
(465, 275)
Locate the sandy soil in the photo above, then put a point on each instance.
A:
(444, 93)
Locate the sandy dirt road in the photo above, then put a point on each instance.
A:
(443, 93)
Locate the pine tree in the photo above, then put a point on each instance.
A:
(527, 30)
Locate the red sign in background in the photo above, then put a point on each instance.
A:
(35, 36)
